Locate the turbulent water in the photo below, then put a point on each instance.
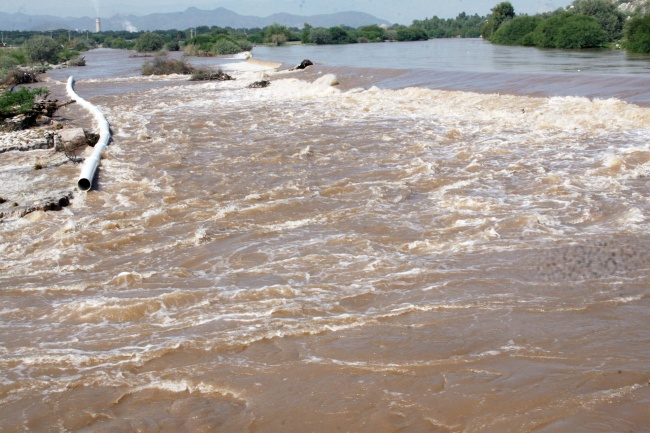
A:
(312, 257)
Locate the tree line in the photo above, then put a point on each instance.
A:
(584, 24)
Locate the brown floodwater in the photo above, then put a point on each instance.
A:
(312, 257)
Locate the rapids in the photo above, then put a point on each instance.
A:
(328, 254)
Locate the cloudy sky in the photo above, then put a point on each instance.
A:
(396, 11)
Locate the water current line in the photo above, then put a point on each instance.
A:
(90, 165)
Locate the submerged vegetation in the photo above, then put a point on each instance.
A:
(163, 65)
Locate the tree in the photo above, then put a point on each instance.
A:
(339, 35)
(411, 34)
(638, 35)
(226, 46)
(320, 36)
(276, 34)
(545, 34)
(372, 33)
(569, 31)
(606, 14)
(515, 31)
(580, 31)
(42, 49)
(149, 42)
(304, 34)
(500, 14)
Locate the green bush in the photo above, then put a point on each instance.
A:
(545, 34)
(172, 46)
(42, 49)
(339, 35)
(569, 31)
(500, 14)
(580, 31)
(68, 54)
(226, 46)
(7, 64)
(638, 35)
(19, 102)
(118, 43)
(202, 42)
(372, 33)
(609, 18)
(245, 45)
(514, 31)
(162, 65)
(149, 42)
(320, 36)
(276, 34)
(405, 34)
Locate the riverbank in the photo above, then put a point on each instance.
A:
(34, 176)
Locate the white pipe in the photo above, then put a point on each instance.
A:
(90, 165)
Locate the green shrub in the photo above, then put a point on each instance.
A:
(245, 45)
(405, 34)
(226, 46)
(545, 34)
(580, 31)
(42, 49)
(320, 36)
(162, 65)
(638, 35)
(68, 54)
(172, 46)
(514, 31)
(118, 43)
(339, 35)
(7, 64)
(149, 42)
(609, 18)
(276, 34)
(19, 102)
(500, 14)
(372, 33)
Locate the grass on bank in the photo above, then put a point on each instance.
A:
(20, 101)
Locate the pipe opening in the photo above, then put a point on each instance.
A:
(83, 184)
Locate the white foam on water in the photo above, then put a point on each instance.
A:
(181, 386)
(228, 216)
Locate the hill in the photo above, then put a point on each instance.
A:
(191, 17)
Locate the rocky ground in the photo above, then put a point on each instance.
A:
(39, 166)
(33, 176)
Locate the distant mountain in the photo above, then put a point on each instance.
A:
(191, 17)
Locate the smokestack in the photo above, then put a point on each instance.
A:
(98, 26)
